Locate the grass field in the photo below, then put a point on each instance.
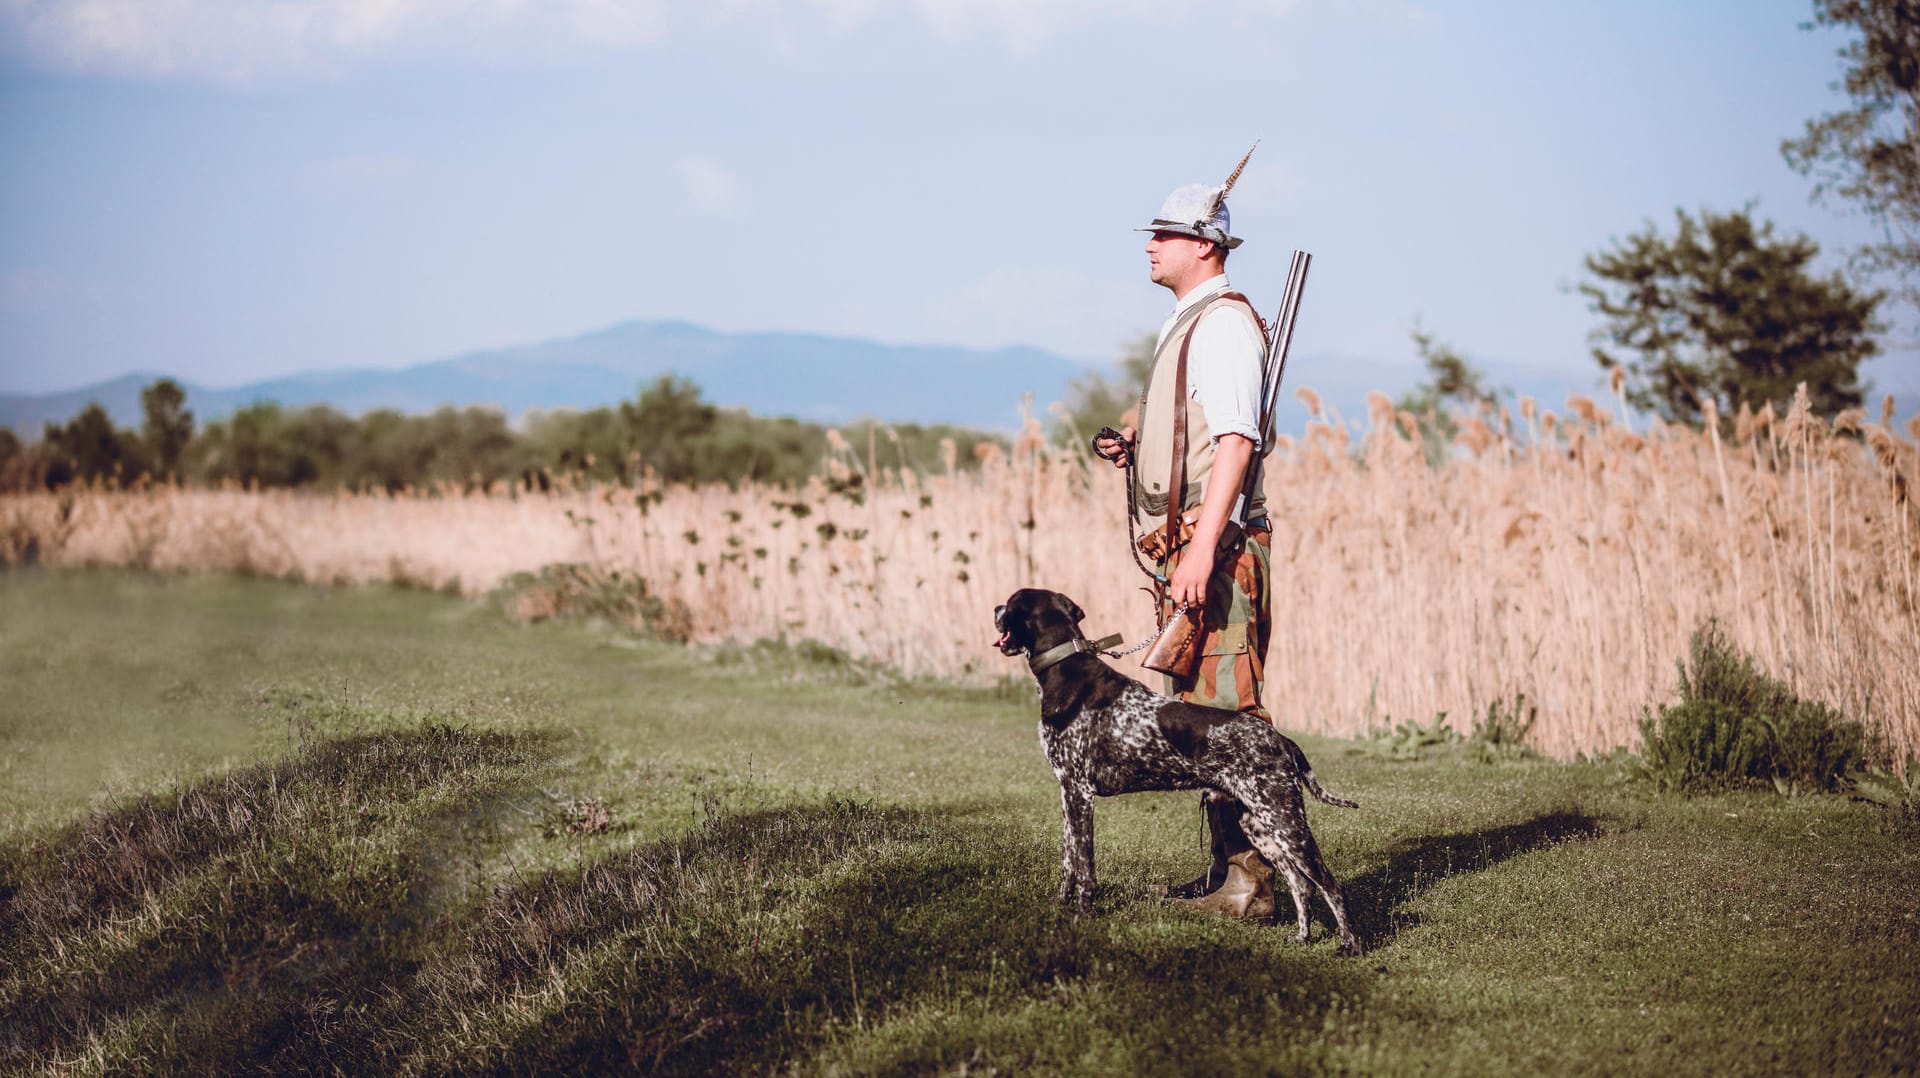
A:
(246, 824)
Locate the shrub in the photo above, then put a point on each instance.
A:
(1899, 795)
(1735, 726)
(1501, 734)
(577, 590)
(1409, 739)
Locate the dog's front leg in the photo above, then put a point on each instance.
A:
(1076, 840)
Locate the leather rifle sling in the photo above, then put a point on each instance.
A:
(1177, 485)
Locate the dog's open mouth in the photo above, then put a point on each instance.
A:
(1005, 642)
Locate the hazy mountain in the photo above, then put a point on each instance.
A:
(829, 379)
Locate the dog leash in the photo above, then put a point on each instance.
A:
(1149, 641)
(1133, 543)
(1103, 646)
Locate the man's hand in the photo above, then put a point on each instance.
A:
(1232, 456)
(1189, 584)
(1116, 446)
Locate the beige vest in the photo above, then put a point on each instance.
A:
(1153, 450)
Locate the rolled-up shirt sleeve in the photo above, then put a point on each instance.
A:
(1223, 363)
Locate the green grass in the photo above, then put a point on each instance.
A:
(246, 825)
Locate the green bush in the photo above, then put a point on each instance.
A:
(1501, 734)
(1409, 739)
(1735, 726)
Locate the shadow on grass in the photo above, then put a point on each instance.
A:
(1377, 900)
(232, 919)
(312, 916)
(896, 920)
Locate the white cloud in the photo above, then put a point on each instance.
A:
(712, 189)
(251, 39)
(247, 39)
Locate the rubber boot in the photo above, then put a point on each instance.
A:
(1246, 896)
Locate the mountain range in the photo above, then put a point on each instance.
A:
(813, 377)
(809, 376)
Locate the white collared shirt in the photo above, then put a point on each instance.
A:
(1223, 363)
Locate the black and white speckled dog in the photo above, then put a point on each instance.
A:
(1106, 734)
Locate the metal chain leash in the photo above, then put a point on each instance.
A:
(1149, 641)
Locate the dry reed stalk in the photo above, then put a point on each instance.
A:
(1572, 567)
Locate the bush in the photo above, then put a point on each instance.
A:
(1899, 795)
(1502, 733)
(581, 591)
(1735, 726)
(1409, 739)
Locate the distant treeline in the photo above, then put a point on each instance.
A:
(667, 431)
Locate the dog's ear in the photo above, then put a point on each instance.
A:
(1070, 608)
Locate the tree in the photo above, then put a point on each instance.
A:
(669, 426)
(169, 425)
(89, 446)
(1451, 379)
(1098, 399)
(1723, 309)
(1869, 154)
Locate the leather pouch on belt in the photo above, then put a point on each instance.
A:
(1154, 543)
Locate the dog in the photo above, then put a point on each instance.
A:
(1106, 734)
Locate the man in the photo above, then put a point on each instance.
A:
(1219, 565)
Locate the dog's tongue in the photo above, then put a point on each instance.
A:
(1002, 642)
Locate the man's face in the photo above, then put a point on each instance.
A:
(1175, 261)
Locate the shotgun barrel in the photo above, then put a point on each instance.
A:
(1280, 339)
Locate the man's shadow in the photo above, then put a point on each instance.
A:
(1377, 900)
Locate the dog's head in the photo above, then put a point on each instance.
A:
(1033, 620)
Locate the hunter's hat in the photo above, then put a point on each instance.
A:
(1200, 210)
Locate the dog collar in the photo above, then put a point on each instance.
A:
(1078, 644)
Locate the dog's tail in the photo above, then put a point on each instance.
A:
(1312, 784)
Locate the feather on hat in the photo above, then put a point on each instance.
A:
(1200, 210)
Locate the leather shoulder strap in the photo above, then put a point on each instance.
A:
(1238, 297)
(1177, 487)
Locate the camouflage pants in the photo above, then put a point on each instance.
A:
(1234, 628)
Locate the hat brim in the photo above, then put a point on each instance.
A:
(1229, 242)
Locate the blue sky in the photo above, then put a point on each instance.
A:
(230, 190)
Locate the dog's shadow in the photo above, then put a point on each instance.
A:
(1377, 900)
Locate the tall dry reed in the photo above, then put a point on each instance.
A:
(1568, 558)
